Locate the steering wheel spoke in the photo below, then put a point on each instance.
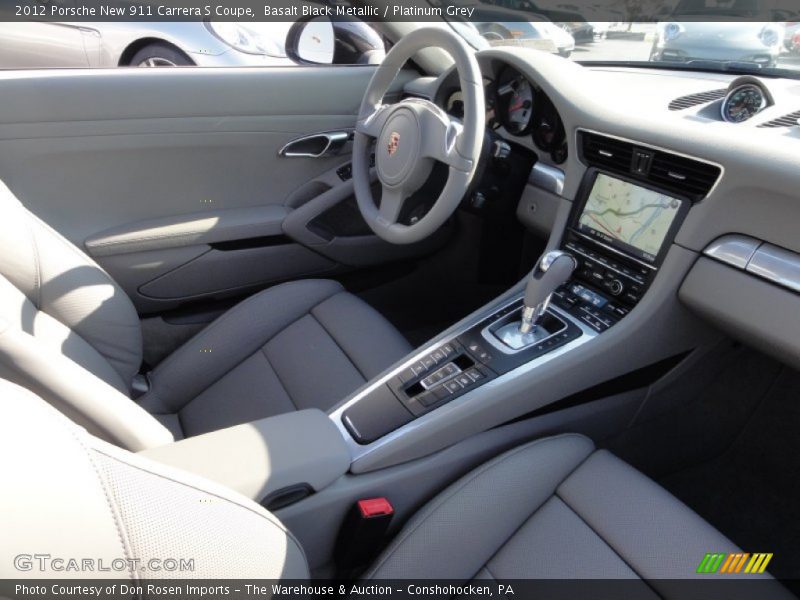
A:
(442, 137)
(391, 204)
(372, 123)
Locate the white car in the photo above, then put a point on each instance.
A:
(43, 44)
(541, 35)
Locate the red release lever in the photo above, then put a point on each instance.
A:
(375, 507)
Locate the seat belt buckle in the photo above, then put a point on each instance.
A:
(363, 531)
(140, 385)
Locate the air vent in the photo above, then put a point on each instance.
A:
(685, 175)
(789, 120)
(695, 99)
(606, 152)
(678, 174)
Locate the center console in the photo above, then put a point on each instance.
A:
(615, 241)
(619, 234)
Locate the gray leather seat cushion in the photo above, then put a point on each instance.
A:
(554, 509)
(306, 344)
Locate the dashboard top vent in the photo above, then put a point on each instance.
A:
(789, 120)
(600, 151)
(673, 173)
(694, 99)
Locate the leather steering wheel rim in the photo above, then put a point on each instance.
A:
(412, 135)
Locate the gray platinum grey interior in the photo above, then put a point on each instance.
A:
(207, 285)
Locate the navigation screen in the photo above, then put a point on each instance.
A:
(628, 216)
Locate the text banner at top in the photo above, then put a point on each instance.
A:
(475, 11)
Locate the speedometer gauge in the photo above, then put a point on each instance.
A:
(515, 102)
(743, 102)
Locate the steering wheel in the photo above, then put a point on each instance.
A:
(412, 135)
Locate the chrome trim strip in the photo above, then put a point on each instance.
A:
(548, 178)
(492, 339)
(654, 147)
(335, 141)
(358, 451)
(734, 249)
(777, 265)
(768, 262)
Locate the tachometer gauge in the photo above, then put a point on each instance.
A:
(515, 101)
(743, 102)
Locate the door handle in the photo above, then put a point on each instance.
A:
(318, 145)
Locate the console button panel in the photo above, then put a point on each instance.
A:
(438, 377)
(605, 286)
(469, 361)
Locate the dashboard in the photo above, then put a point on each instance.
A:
(639, 171)
(543, 103)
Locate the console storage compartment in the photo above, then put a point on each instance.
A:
(265, 459)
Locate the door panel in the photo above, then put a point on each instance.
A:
(107, 152)
(92, 150)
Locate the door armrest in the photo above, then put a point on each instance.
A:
(206, 227)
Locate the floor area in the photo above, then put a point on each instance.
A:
(751, 491)
(731, 451)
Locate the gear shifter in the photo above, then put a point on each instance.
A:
(553, 269)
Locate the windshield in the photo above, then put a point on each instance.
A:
(714, 35)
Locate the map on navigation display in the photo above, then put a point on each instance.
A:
(623, 213)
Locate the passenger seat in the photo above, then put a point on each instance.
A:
(555, 508)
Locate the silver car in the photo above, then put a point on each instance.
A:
(725, 31)
(541, 35)
(156, 44)
(747, 42)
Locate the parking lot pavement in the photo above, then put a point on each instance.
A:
(639, 49)
(613, 49)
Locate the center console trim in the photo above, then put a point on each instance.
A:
(547, 178)
(359, 451)
(486, 334)
(610, 249)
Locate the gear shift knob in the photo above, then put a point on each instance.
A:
(553, 269)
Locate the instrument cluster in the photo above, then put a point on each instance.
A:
(522, 109)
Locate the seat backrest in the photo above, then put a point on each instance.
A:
(118, 508)
(54, 292)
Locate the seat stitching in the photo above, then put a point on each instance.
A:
(606, 542)
(493, 576)
(263, 350)
(335, 341)
(37, 284)
(112, 506)
(538, 508)
(225, 317)
(179, 416)
(153, 392)
(437, 503)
